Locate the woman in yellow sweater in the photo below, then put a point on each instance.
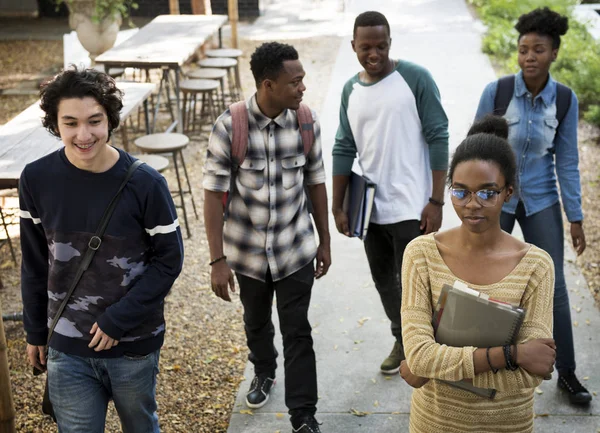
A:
(481, 177)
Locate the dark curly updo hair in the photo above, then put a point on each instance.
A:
(544, 22)
(490, 124)
(267, 60)
(80, 83)
(486, 141)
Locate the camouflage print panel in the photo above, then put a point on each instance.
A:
(114, 270)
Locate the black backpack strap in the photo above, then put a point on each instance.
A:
(504, 93)
(563, 101)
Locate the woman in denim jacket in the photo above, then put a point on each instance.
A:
(546, 149)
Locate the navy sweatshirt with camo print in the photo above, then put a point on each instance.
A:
(132, 272)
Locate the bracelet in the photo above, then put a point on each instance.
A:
(507, 358)
(487, 355)
(515, 357)
(218, 260)
(436, 202)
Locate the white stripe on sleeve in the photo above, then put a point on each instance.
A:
(164, 229)
(25, 214)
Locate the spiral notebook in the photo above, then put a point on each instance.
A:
(466, 317)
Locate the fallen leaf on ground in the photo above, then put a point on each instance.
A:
(358, 412)
(362, 321)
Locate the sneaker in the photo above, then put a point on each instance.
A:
(577, 392)
(259, 391)
(307, 424)
(391, 364)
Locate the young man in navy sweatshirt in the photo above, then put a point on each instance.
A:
(107, 341)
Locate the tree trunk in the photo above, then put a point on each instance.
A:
(7, 408)
(232, 7)
(201, 7)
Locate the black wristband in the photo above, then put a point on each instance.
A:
(514, 359)
(487, 355)
(507, 358)
(436, 202)
(218, 260)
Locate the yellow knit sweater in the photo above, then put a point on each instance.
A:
(437, 407)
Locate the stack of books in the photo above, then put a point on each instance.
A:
(466, 317)
(358, 204)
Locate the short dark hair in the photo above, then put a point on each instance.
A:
(267, 60)
(80, 83)
(490, 146)
(371, 19)
(543, 21)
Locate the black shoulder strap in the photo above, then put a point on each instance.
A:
(563, 101)
(93, 246)
(504, 93)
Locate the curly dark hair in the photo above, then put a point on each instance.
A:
(267, 60)
(486, 142)
(80, 83)
(543, 21)
(371, 19)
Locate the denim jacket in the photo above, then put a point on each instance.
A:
(543, 153)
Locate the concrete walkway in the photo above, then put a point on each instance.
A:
(351, 332)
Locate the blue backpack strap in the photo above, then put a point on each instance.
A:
(563, 101)
(504, 93)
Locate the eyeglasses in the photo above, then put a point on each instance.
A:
(485, 197)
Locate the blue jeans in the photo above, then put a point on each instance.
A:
(80, 389)
(545, 230)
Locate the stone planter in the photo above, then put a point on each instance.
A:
(96, 38)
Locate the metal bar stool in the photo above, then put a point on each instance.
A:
(235, 93)
(171, 143)
(209, 110)
(211, 74)
(231, 53)
(157, 162)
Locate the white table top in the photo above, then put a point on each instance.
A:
(24, 139)
(167, 40)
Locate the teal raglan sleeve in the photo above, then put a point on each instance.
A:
(434, 121)
(344, 148)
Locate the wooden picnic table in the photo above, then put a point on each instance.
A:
(24, 139)
(166, 42)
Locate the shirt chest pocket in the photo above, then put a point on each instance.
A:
(291, 170)
(513, 130)
(550, 125)
(251, 173)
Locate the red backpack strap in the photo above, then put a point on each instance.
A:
(239, 133)
(239, 146)
(305, 123)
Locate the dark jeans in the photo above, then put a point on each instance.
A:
(545, 230)
(293, 300)
(385, 245)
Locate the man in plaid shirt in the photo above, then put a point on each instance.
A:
(268, 239)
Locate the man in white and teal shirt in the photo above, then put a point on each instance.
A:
(392, 116)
